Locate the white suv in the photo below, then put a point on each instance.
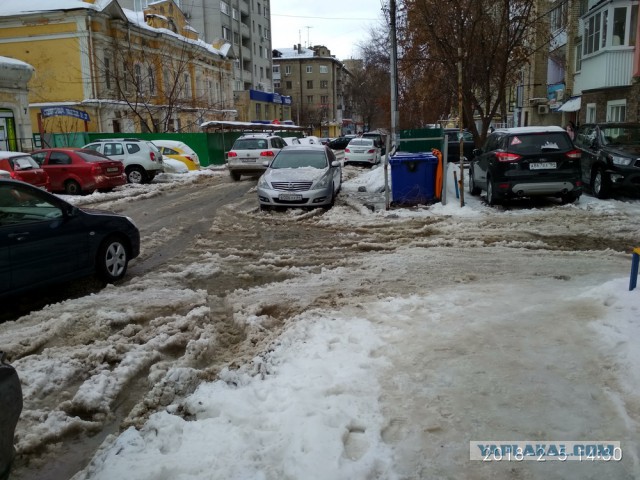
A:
(250, 151)
(142, 160)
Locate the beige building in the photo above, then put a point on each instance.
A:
(316, 82)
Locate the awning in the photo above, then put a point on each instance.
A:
(571, 105)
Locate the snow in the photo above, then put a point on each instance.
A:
(345, 392)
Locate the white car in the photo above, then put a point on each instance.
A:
(142, 159)
(250, 151)
(310, 140)
(291, 140)
(362, 150)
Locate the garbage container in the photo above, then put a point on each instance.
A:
(413, 178)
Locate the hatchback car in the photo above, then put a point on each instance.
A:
(178, 151)
(610, 157)
(21, 166)
(142, 160)
(75, 171)
(526, 162)
(45, 240)
(249, 152)
(301, 176)
(362, 150)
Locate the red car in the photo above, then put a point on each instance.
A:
(21, 166)
(76, 170)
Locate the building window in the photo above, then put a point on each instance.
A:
(234, 14)
(261, 50)
(591, 113)
(276, 84)
(287, 69)
(633, 23)
(224, 7)
(289, 85)
(324, 84)
(619, 26)
(592, 29)
(309, 84)
(617, 110)
(261, 73)
(309, 99)
(324, 69)
(309, 68)
(187, 86)
(107, 72)
(276, 69)
(226, 33)
(324, 99)
(152, 81)
(236, 38)
(259, 9)
(578, 56)
(137, 72)
(258, 111)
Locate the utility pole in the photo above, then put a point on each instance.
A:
(461, 180)
(395, 135)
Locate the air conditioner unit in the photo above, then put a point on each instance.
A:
(543, 109)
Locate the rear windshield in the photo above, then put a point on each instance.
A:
(23, 163)
(89, 156)
(251, 144)
(361, 142)
(300, 159)
(532, 143)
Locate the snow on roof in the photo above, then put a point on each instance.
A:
(294, 53)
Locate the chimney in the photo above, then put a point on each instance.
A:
(299, 48)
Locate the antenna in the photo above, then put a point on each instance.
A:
(308, 41)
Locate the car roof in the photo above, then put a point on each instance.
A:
(62, 149)
(306, 146)
(531, 129)
(7, 154)
(257, 135)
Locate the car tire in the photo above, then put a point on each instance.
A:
(473, 188)
(136, 174)
(333, 198)
(235, 176)
(71, 187)
(112, 259)
(491, 197)
(600, 184)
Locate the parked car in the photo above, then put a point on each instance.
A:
(453, 145)
(249, 151)
(526, 162)
(310, 140)
(142, 160)
(178, 151)
(45, 240)
(340, 143)
(380, 139)
(301, 176)
(21, 166)
(610, 159)
(75, 171)
(362, 150)
(174, 166)
(291, 140)
(10, 409)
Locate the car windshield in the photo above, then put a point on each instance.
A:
(532, 143)
(621, 135)
(300, 159)
(251, 144)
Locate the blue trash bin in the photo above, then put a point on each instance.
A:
(413, 178)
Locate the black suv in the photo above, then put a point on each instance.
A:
(526, 162)
(610, 157)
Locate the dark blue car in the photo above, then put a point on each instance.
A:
(45, 240)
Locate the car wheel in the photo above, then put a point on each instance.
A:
(136, 174)
(112, 259)
(235, 176)
(333, 198)
(473, 189)
(600, 184)
(71, 187)
(491, 197)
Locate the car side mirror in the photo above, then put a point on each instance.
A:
(335, 163)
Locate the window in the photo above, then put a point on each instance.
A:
(261, 52)
(226, 33)
(107, 72)
(276, 84)
(289, 85)
(152, 81)
(261, 73)
(224, 7)
(187, 86)
(309, 83)
(558, 17)
(633, 22)
(324, 84)
(259, 8)
(592, 33)
(276, 69)
(616, 110)
(236, 38)
(309, 68)
(133, 147)
(578, 56)
(324, 69)
(591, 113)
(258, 111)
(324, 99)
(234, 14)
(309, 99)
(287, 69)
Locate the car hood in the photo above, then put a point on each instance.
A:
(306, 174)
(625, 150)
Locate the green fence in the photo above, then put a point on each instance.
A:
(421, 140)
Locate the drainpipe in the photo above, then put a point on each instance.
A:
(92, 67)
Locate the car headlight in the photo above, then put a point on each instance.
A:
(322, 183)
(262, 182)
(617, 160)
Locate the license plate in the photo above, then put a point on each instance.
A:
(112, 169)
(249, 160)
(542, 166)
(289, 196)
(358, 151)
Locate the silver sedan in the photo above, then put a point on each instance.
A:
(301, 176)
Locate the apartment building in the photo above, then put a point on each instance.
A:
(101, 68)
(316, 82)
(246, 24)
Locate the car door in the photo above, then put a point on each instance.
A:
(482, 162)
(59, 167)
(39, 241)
(585, 141)
(336, 171)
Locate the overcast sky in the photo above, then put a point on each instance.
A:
(337, 24)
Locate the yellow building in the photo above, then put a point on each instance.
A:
(104, 69)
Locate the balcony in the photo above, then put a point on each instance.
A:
(608, 68)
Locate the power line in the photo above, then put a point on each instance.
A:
(322, 18)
